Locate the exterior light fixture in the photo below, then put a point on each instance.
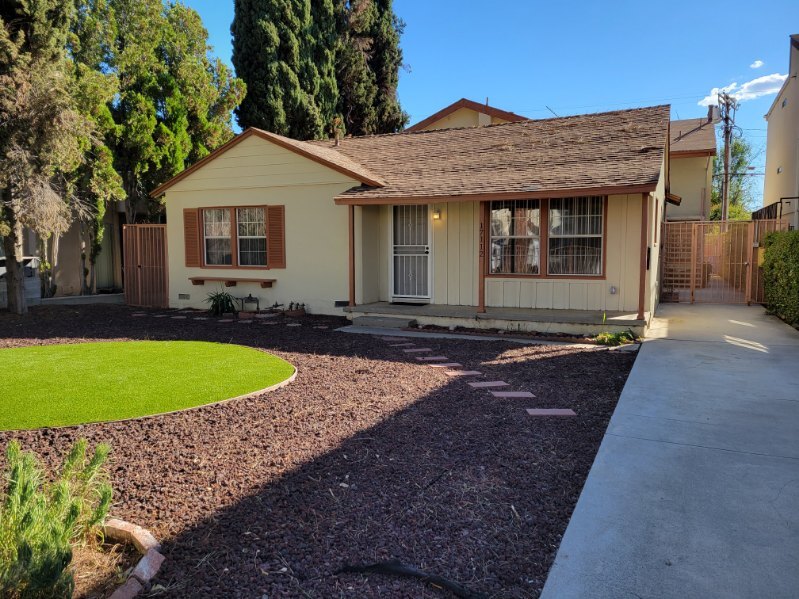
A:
(436, 214)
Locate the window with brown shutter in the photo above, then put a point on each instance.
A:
(237, 237)
(191, 236)
(276, 236)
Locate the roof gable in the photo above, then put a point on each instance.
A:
(468, 104)
(321, 155)
(693, 137)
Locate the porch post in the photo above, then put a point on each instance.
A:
(481, 275)
(351, 227)
(644, 244)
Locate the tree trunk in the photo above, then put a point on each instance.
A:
(15, 270)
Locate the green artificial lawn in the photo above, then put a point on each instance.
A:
(61, 385)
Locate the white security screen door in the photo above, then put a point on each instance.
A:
(411, 254)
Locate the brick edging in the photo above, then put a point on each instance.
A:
(147, 545)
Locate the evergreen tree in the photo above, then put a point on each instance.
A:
(385, 62)
(275, 43)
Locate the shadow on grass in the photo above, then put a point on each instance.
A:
(369, 456)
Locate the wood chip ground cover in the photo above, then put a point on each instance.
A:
(369, 455)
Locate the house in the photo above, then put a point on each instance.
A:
(781, 186)
(693, 146)
(539, 223)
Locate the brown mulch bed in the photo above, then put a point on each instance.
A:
(368, 456)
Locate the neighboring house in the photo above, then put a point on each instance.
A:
(481, 226)
(465, 113)
(693, 146)
(781, 188)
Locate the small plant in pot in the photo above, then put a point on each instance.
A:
(221, 303)
(295, 310)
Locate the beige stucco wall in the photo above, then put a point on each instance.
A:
(464, 117)
(782, 146)
(691, 179)
(258, 172)
(455, 262)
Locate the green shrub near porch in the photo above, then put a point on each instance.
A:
(781, 274)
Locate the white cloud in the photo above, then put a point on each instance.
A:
(756, 88)
(757, 64)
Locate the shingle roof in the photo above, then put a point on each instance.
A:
(612, 150)
(695, 136)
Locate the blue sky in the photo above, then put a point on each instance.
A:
(580, 56)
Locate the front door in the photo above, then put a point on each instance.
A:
(411, 254)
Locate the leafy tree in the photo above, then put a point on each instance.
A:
(42, 132)
(741, 194)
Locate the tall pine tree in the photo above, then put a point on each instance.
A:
(308, 63)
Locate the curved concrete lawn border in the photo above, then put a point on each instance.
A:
(120, 531)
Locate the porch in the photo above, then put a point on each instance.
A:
(576, 322)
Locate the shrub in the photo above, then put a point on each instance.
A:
(613, 339)
(781, 274)
(41, 520)
(221, 302)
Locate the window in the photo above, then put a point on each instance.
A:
(251, 223)
(516, 237)
(216, 237)
(575, 229)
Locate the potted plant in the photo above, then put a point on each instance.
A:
(221, 303)
(295, 310)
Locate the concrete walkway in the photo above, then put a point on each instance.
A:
(695, 489)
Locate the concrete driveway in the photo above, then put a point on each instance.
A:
(695, 489)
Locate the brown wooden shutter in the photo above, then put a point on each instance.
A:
(276, 236)
(191, 236)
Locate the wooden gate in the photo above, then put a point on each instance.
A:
(714, 262)
(145, 266)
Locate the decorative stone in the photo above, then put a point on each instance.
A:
(179, 317)
(551, 412)
(293, 324)
(446, 365)
(119, 530)
(225, 320)
(148, 566)
(417, 350)
(463, 373)
(512, 394)
(488, 384)
(432, 358)
(402, 345)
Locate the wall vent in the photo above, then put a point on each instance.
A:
(183, 296)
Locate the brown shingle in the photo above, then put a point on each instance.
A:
(621, 149)
(693, 136)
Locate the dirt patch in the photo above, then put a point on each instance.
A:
(368, 455)
(99, 570)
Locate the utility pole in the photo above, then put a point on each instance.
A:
(727, 107)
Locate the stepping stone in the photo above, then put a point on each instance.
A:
(200, 318)
(159, 316)
(225, 320)
(321, 327)
(291, 324)
(417, 350)
(488, 384)
(179, 317)
(463, 373)
(389, 338)
(550, 412)
(511, 394)
(402, 344)
(432, 358)
(265, 315)
(447, 365)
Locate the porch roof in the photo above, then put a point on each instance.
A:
(594, 154)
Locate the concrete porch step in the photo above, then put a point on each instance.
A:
(385, 322)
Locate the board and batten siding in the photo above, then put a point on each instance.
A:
(258, 172)
(454, 258)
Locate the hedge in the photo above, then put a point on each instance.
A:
(781, 274)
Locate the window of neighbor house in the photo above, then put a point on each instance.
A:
(575, 228)
(217, 237)
(251, 223)
(516, 237)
